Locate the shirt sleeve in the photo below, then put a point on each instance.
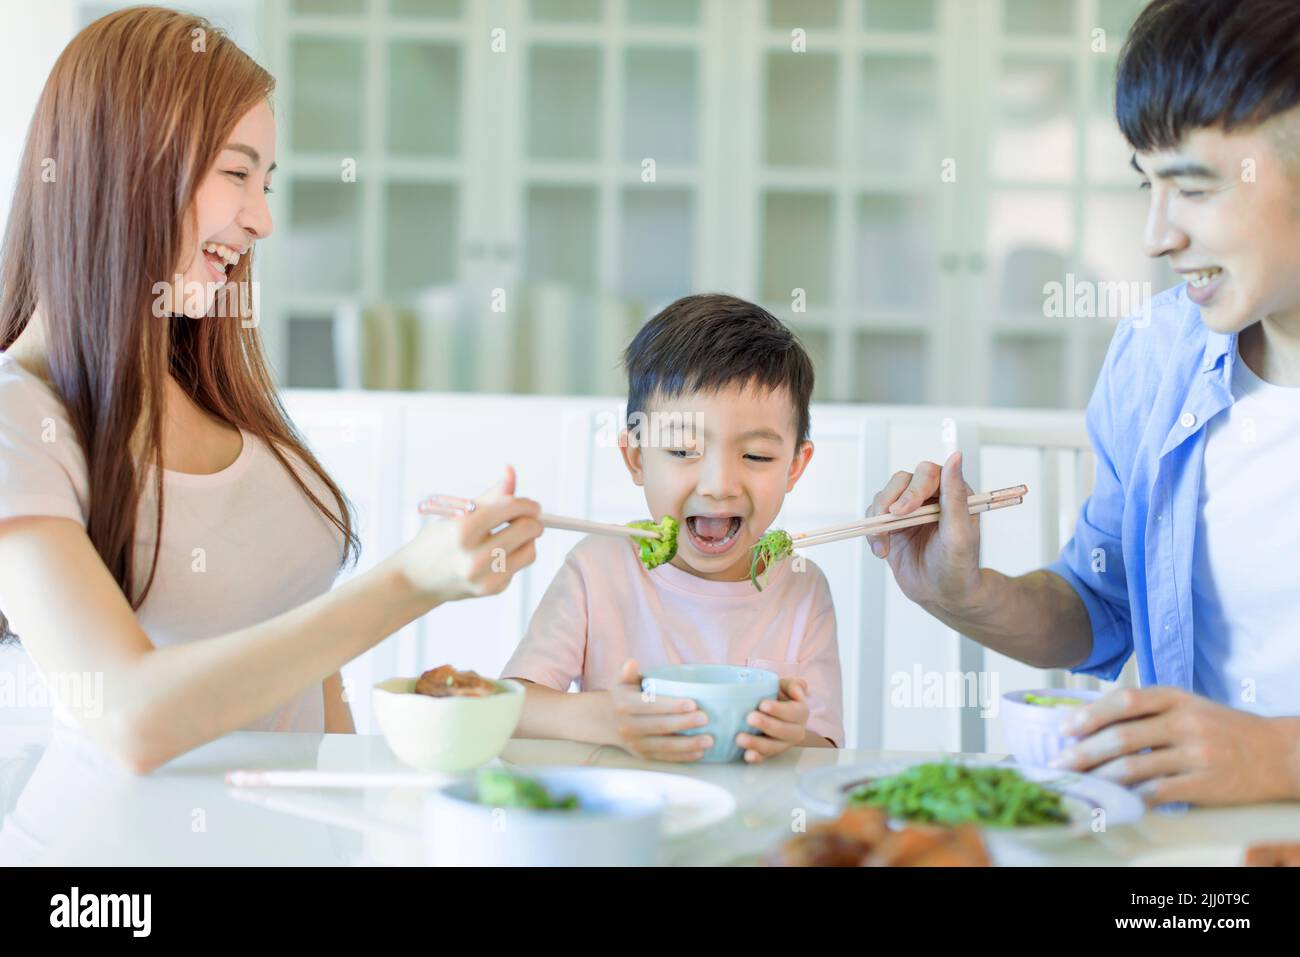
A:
(554, 648)
(42, 468)
(819, 664)
(1092, 562)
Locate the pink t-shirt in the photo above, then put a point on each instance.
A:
(604, 607)
(238, 547)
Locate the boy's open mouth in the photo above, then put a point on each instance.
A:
(713, 534)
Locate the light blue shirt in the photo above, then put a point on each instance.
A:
(1165, 377)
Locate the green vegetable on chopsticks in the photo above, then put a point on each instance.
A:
(947, 793)
(770, 549)
(656, 551)
(498, 787)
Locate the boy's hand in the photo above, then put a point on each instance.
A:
(645, 726)
(784, 722)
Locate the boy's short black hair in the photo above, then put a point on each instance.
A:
(705, 343)
(1191, 64)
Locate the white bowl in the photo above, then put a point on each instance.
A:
(1033, 732)
(445, 734)
(618, 824)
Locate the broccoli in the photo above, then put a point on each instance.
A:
(498, 787)
(771, 548)
(656, 551)
(1052, 701)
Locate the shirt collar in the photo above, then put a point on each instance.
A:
(1208, 394)
(1217, 345)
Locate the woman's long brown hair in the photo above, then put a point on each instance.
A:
(131, 119)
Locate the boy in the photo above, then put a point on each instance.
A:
(733, 385)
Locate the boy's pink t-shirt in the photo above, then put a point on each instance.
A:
(605, 607)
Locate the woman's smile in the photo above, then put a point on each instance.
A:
(220, 259)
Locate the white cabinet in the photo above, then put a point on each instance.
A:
(488, 145)
(901, 180)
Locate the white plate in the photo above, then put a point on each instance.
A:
(690, 805)
(1194, 855)
(825, 791)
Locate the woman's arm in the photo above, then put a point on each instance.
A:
(160, 702)
(338, 714)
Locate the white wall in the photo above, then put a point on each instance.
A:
(29, 45)
(32, 35)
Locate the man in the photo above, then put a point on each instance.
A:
(1187, 554)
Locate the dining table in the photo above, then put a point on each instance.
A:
(65, 803)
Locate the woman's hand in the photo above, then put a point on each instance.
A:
(463, 557)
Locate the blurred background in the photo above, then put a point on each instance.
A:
(491, 195)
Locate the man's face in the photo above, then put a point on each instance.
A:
(721, 464)
(1224, 210)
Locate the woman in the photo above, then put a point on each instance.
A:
(162, 525)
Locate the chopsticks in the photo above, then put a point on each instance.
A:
(451, 506)
(925, 515)
(335, 817)
(299, 778)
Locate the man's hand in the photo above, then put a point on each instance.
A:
(1177, 746)
(783, 721)
(936, 565)
(1036, 618)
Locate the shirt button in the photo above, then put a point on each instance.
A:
(1187, 420)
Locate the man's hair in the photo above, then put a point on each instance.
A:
(1191, 64)
(706, 343)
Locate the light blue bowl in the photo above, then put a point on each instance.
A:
(726, 693)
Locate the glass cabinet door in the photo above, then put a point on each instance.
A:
(848, 147)
(1058, 255)
(905, 182)
(372, 182)
(603, 152)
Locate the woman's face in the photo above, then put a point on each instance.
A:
(230, 213)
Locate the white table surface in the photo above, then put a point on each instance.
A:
(66, 804)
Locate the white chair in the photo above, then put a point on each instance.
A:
(1059, 457)
(388, 450)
